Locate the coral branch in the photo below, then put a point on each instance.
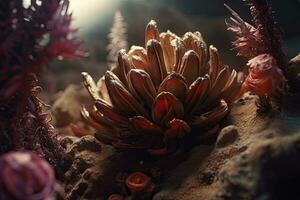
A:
(262, 14)
(248, 41)
(31, 38)
(117, 39)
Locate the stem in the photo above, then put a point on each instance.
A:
(261, 11)
(29, 127)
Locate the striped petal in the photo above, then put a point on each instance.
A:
(165, 108)
(218, 87)
(212, 117)
(142, 125)
(232, 89)
(103, 90)
(101, 128)
(215, 65)
(97, 116)
(110, 113)
(177, 129)
(121, 98)
(196, 94)
(168, 49)
(90, 85)
(194, 41)
(175, 84)
(179, 53)
(138, 57)
(190, 66)
(123, 67)
(142, 86)
(151, 32)
(157, 69)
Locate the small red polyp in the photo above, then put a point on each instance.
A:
(137, 181)
(115, 197)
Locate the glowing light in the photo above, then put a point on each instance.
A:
(87, 12)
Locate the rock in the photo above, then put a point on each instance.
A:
(227, 136)
(263, 163)
(86, 173)
(268, 170)
(294, 68)
(66, 108)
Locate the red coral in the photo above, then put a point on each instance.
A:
(25, 176)
(248, 39)
(265, 77)
(31, 38)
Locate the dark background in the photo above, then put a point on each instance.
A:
(179, 16)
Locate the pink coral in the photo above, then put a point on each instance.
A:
(248, 41)
(25, 176)
(265, 77)
(31, 38)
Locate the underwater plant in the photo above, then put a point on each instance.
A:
(117, 39)
(32, 36)
(26, 176)
(261, 44)
(164, 97)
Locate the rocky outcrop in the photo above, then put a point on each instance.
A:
(254, 157)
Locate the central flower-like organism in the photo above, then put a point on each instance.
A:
(161, 97)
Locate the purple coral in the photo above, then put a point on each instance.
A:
(26, 176)
(31, 37)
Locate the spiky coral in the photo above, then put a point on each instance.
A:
(31, 37)
(264, 37)
(117, 39)
(261, 43)
(263, 17)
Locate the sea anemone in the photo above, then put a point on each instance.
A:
(265, 77)
(161, 97)
(26, 176)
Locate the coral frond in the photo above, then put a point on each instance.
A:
(248, 41)
(117, 39)
(31, 37)
(263, 17)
